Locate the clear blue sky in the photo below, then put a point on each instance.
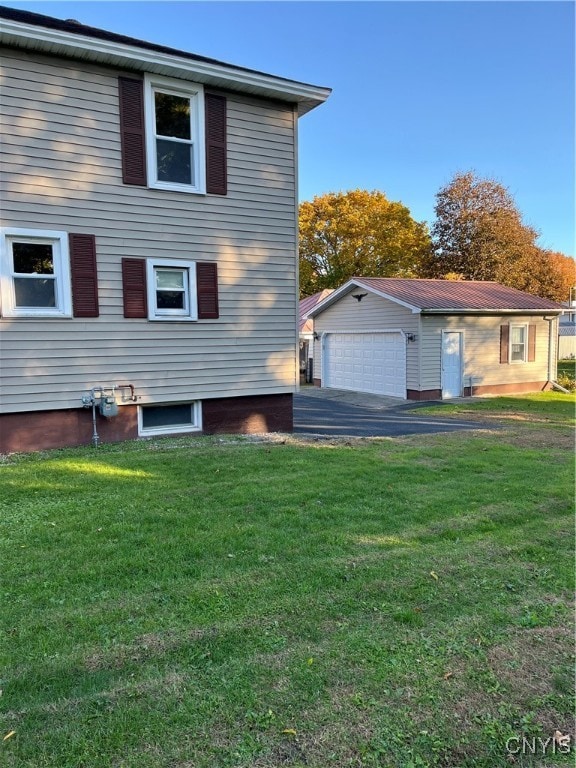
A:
(421, 90)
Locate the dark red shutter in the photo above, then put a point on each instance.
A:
(531, 343)
(84, 275)
(216, 160)
(207, 290)
(134, 287)
(132, 131)
(504, 343)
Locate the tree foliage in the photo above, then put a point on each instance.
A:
(357, 233)
(479, 234)
(557, 276)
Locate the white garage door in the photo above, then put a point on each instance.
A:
(366, 362)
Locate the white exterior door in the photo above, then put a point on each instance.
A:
(451, 364)
(372, 362)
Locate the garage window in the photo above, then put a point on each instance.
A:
(518, 334)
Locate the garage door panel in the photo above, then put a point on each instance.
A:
(366, 362)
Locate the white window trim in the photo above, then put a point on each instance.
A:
(194, 426)
(525, 357)
(190, 267)
(195, 93)
(61, 260)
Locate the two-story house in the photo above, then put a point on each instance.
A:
(148, 259)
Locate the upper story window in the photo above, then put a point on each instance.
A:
(174, 113)
(34, 273)
(518, 343)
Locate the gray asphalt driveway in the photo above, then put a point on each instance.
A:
(334, 413)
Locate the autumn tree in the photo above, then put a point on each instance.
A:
(553, 276)
(479, 234)
(357, 233)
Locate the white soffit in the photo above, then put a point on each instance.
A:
(348, 288)
(132, 57)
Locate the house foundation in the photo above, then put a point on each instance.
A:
(44, 430)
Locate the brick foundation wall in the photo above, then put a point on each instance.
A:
(248, 415)
(43, 430)
(425, 394)
(508, 389)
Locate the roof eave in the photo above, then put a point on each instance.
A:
(131, 57)
(494, 311)
(346, 288)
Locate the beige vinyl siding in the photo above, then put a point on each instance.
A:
(481, 349)
(372, 313)
(566, 347)
(62, 171)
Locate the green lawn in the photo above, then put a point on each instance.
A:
(542, 408)
(211, 602)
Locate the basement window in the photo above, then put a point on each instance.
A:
(169, 419)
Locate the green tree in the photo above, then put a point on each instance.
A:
(478, 234)
(357, 233)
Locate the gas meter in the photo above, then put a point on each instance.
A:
(108, 406)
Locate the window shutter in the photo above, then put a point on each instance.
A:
(207, 290)
(84, 275)
(504, 343)
(531, 343)
(216, 160)
(134, 287)
(132, 131)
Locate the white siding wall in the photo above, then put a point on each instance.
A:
(482, 350)
(371, 313)
(61, 170)
(566, 347)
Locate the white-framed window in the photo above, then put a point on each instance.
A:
(171, 289)
(34, 273)
(518, 343)
(170, 418)
(175, 150)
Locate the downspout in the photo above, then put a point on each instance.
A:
(419, 351)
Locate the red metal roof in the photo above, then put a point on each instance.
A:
(307, 326)
(455, 295)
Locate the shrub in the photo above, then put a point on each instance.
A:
(566, 381)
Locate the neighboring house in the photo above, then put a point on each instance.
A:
(567, 332)
(306, 333)
(149, 239)
(430, 339)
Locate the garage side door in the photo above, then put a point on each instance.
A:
(366, 362)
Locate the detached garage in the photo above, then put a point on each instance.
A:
(431, 339)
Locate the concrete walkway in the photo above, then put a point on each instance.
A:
(334, 412)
